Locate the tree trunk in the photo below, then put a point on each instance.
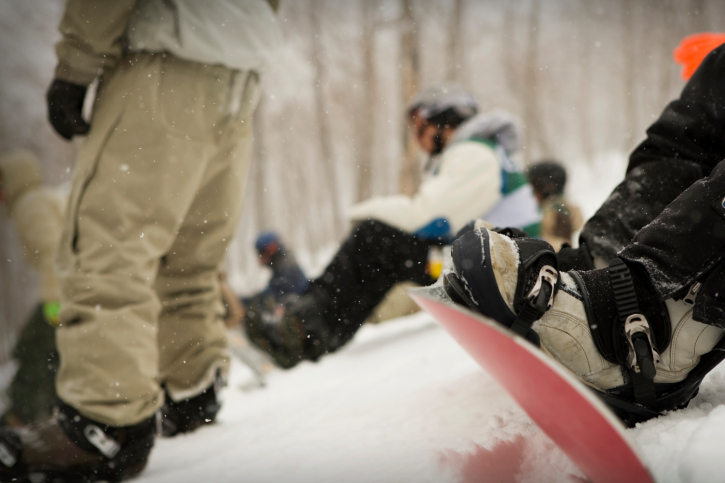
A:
(323, 127)
(258, 167)
(534, 129)
(629, 99)
(585, 80)
(366, 119)
(410, 73)
(454, 58)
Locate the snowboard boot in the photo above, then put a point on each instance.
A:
(607, 326)
(292, 332)
(190, 414)
(70, 448)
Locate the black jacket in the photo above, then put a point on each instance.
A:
(691, 128)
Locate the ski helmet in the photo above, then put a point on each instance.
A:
(265, 240)
(443, 105)
(547, 178)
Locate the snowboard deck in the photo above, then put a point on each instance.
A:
(575, 419)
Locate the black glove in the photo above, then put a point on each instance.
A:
(575, 258)
(512, 232)
(65, 105)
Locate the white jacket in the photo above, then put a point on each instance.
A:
(466, 184)
(239, 34)
(472, 179)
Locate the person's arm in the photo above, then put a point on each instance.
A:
(92, 38)
(467, 186)
(38, 219)
(93, 33)
(691, 127)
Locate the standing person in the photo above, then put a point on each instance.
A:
(469, 174)
(37, 214)
(560, 218)
(156, 196)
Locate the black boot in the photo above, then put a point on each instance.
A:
(292, 332)
(534, 273)
(70, 448)
(190, 414)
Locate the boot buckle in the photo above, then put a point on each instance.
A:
(636, 329)
(7, 457)
(549, 275)
(106, 445)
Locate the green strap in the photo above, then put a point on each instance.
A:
(50, 312)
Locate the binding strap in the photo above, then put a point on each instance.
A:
(539, 299)
(641, 357)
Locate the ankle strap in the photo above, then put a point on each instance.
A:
(642, 356)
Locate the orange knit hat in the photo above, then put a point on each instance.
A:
(694, 48)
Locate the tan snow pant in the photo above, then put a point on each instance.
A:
(157, 192)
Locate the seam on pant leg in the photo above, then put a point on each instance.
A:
(90, 173)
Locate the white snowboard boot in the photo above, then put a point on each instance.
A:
(607, 326)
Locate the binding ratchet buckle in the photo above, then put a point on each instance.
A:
(549, 275)
(642, 357)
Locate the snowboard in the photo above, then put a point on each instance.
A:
(575, 419)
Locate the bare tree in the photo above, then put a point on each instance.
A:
(454, 50)
(629, 100)
(322, 118)
(410, 74)
(585, 79)
(366, 117)
(534, 126)
(257, 176)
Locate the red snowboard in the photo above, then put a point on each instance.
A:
(569, 413)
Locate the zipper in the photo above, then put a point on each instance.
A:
(692, 293)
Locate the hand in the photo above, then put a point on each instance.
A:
(65, 105)
(575, 258)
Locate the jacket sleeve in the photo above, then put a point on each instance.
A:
(38, 220)
(691, 127)
(467, 186)
(92, 38)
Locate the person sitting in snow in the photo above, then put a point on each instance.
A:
(287, 283)
(287, 276)
(646, 326)
(560, 218)
(37, 213)
(469, 174)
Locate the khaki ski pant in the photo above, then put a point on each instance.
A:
(156, 196)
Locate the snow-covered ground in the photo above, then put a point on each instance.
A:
(402, 403)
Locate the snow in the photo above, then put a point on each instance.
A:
(404, 402)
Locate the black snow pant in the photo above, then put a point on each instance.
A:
(635, 202)
(32, 392)
(372, 259)
(686, 244)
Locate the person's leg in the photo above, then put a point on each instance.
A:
(136, 178)
(32, 390)
(370, 261)
(684, 245)
(630, 329)
(635, 202)
(192, 335)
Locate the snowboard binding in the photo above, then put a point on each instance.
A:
(515, 281)
(474, 281)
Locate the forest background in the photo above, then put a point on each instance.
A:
(586, 77)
